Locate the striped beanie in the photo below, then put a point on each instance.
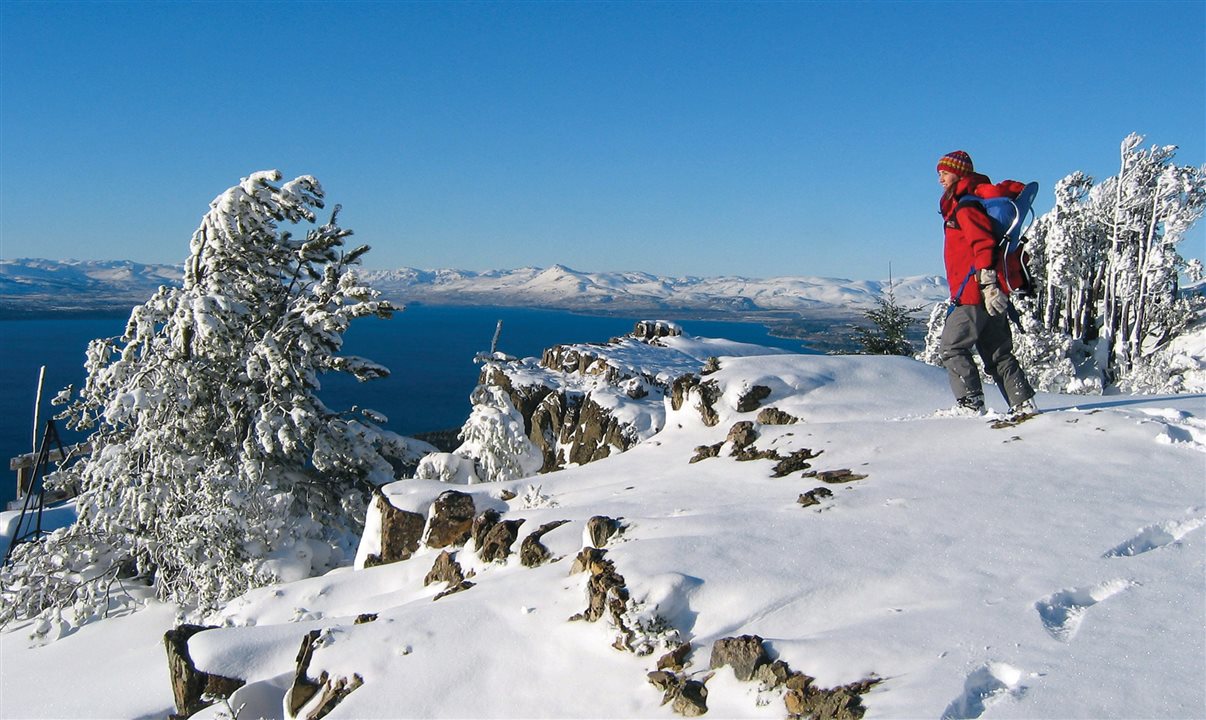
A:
(958, 162)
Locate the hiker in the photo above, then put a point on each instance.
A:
(979, 319)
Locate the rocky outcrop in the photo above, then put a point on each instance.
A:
(532, 552)
(312, 698)
(744, 654)
(600, 529)
(497, 542)
(802, 698)
(814, 496)
(447, 570)
(704, 394)
(401, 532)
(775, 416)
(451, 520)
(193, 689)
(752, 399)
(688, 698)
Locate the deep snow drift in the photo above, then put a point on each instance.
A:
(1050, 569)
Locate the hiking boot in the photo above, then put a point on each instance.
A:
(1024, 409)
(969, 405)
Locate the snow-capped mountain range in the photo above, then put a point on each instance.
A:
(35, 286)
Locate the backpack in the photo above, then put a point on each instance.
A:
(1009, 222)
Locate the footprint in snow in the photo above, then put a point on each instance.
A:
(986, 686)
(1154, 537)
(1181, 429)
(1062, 612)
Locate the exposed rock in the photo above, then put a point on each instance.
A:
(601, 528)
(793, 463)
(401, 532)
(773, 675)
(497, 544)
(363, 618)
(189, 684)
(803, 699)
(814, 496)
(711, 365)
(507, 495)
(667, 682)
(703, 452)
(596, 433)
(310, 699)
(676, 658)
(653, 329)
(452, 589)
(445, 569)
(607, 594)
(606, 591)
(708, 392)
(532, 552)
(689, 697)
(751, 452)
(451, 519)
(482, 525)
(742, 435)
(843, 475)
(692, 699)
(589, 559)
(775, 416)
(744, 654)
(752, 399)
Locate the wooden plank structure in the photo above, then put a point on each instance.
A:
(24, 465)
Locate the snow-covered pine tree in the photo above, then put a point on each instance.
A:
(215, 466)
(1110, 261)
(494, 436)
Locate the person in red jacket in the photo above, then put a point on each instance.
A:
(979, 319)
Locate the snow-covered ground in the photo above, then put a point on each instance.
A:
(1055, 568)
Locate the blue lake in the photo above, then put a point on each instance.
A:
(429, 350)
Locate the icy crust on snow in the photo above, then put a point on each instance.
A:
(1017, 572)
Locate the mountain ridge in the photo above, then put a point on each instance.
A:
(38, 286)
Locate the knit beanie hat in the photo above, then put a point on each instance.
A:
(958, 162)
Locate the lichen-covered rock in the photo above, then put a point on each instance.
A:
(482, 525)
(692, 699)
(795, 462)
(401, 532)
(496, 546)
(744, 654)
(445, 569)
(589, 559)
(600, 529)
(775, 416)
(312, 698)
(190, 685)
(844, 475)
(532, 552)
(742, 435)
(814, 496)
(451, 520)
(676, 658)
(703, 452)
(752, 399)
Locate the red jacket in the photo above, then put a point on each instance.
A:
(969, 239)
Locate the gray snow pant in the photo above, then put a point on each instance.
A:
(968, 327)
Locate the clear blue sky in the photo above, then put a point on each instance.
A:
(681, 138)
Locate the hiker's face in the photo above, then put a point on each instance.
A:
(947, 179)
